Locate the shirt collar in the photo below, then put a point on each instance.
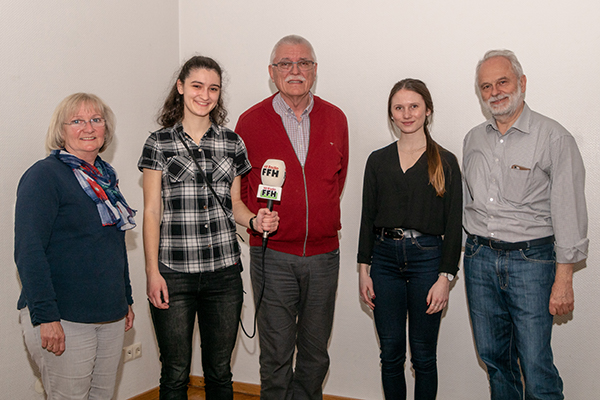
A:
(521, 124)
(217, 129)
(178, 127)
(282, 108)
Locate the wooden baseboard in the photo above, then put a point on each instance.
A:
(238, 387)
(151, 394)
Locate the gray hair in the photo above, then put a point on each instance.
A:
(509, 55)
(293, 40)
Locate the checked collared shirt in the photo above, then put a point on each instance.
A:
(195, 233)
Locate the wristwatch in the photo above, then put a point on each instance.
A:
(251, 225)
(447, 275)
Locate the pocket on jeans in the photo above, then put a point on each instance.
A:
(471, 249)
(427, 243)
(539, 254)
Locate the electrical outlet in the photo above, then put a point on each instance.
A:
(127, 353)
(132, 352)
(137, 350)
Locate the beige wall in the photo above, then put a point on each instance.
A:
(123, 51)
(126, 52)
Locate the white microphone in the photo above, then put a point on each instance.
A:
(272, 176)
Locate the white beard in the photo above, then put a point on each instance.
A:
(515, 99)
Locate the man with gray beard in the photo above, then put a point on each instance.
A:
(526, 219)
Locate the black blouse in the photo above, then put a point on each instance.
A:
(393, 198)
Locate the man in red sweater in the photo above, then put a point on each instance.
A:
(302, 259)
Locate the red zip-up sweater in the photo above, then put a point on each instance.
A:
(309, 209)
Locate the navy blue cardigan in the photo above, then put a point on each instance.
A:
(71, 267)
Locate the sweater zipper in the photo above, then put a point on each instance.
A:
(306, 199)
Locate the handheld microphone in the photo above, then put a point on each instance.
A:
(272, 176)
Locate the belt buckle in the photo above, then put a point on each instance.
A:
(492, 242)
(401, 231)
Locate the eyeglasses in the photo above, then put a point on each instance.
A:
(303, 65)
(81, 123)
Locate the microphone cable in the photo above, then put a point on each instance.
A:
(272, 178)
(262, 288)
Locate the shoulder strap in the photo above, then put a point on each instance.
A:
(204, 176)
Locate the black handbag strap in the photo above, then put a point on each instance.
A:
(204, 177)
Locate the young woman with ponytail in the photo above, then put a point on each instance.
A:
(410, 240)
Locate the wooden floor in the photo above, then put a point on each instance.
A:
(242, 391)
(195, 393)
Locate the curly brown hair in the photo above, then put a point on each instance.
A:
(172, 110)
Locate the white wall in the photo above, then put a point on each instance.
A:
(126, 52)
(123, 51)
(363, 48)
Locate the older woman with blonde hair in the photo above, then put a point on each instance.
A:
(70, 223)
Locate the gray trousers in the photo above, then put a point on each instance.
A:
(296, 312)
(87, 370)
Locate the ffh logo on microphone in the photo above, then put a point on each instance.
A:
(272, 173)
(270, 170)
(269, 192)
(272, 177)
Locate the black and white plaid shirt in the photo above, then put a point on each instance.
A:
(195, 234)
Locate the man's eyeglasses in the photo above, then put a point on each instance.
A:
(81, 123)
(303, 65)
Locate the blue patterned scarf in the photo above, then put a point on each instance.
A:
(100, 183)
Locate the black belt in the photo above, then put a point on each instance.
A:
(501, 245)
(397, 233)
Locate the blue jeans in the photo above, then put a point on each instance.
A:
(296, 313)
(403, 271)
(216, 297)
(509, 294)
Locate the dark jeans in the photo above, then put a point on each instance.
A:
(216, 297)
(296, 313)
(403, 271)
(509, 294)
